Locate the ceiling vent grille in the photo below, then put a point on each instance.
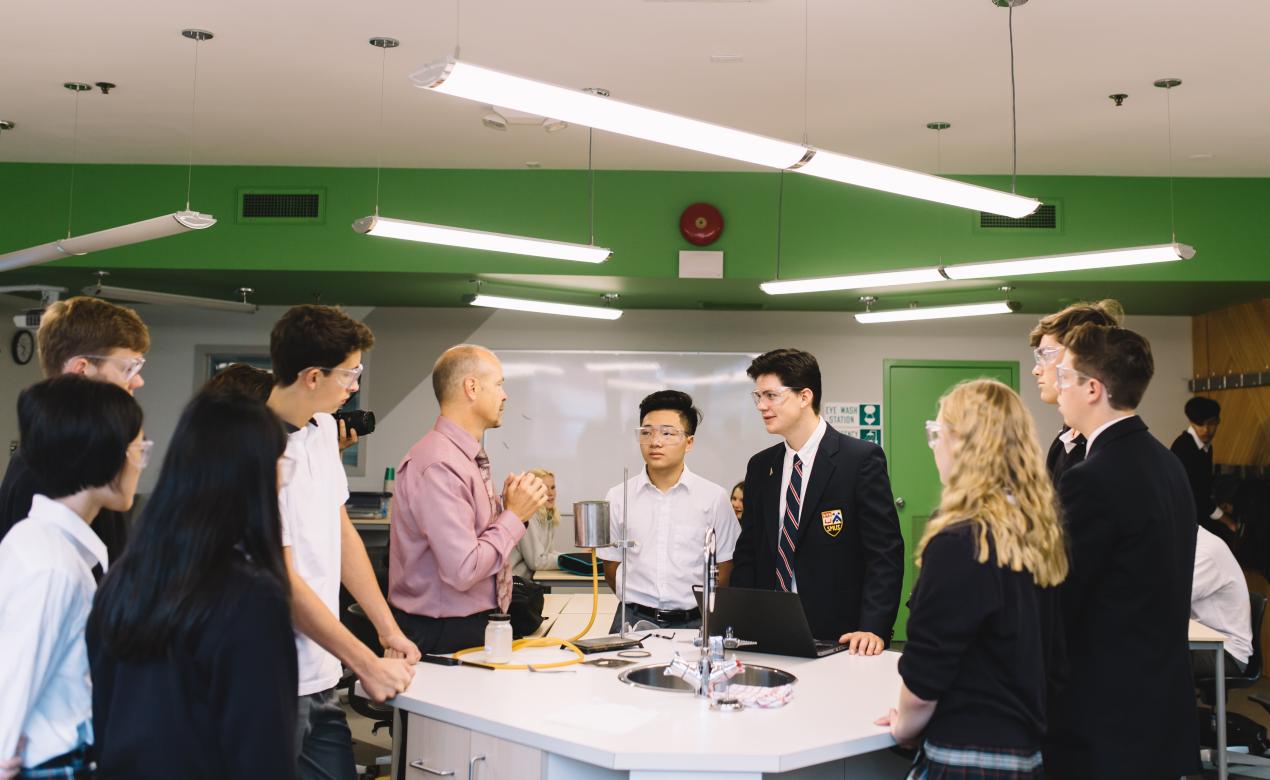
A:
(1044, 218)
(281, 205)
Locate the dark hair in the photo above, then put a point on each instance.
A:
(75, 433)
(738, 486)
(674, 401)
(310, 336)
(215, 503)
(1200, 410)
(796, 369)
(87, 326)
(1105, 312)
(1117, 357)
(241, 378)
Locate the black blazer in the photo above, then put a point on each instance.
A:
(1199, 473)
(1059, 460)
(849, 579)
(1127, 707)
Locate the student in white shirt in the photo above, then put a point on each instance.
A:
(1219, 600)
(670, 510)
(82, 445)
(317, 354)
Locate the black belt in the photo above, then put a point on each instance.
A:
(78, 763)
(666, 615)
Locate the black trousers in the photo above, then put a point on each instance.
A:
(443, 635)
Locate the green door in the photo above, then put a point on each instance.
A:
(912, 389)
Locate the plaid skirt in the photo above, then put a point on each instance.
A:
(948, 762)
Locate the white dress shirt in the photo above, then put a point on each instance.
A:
(1068, 438)
(309, 508)
(1219, 594)
(669, 529)
(808, 456)
(46, 592)
(1089, 440)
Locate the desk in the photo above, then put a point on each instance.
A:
(586, 724)
(1201, 637)
(370, 523)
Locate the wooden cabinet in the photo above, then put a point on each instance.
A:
(436, 750)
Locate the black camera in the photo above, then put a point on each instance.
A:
(360, 421)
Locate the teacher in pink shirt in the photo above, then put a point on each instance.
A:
(452, 535)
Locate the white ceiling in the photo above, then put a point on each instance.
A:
(293, 82)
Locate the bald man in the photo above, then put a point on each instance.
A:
(452, 535)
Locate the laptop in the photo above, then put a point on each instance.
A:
(772, 618)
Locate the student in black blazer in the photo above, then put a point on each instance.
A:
(1068, 447)
(1195, 449)
(1127, 706)
(843, 551)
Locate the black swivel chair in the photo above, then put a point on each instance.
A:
(1240, 730)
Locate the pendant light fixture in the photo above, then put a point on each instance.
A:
(915, 313)
(451, 76)
(428, 233)
(123, 235)
(100, 290)
(605, 312)
(1024, 266)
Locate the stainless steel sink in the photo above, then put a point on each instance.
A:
(653, 676)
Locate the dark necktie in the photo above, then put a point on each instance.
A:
(785, 544)
(503, 580)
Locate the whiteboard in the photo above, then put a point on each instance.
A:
(575, 414)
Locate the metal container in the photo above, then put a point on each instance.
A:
(591, 524)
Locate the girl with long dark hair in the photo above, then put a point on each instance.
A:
(193, 656)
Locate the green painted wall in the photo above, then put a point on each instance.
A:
(827, 228)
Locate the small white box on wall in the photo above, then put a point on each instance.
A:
(700, 265)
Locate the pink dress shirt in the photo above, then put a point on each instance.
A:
(447, 547)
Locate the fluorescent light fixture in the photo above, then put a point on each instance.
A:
(462, 79)
(544, 307)
(1024, 266)
(1079, 261)
(854, 282)
(479, 239)
(168, 299)
(913, 184)
(483, 85)
(935, 312)
(135, 233)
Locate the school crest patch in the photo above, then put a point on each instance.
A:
(832, 521)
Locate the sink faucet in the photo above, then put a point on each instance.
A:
(709, 582)
(711, 672)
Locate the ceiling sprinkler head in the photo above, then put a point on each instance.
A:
(1119, 97)
(105, 87)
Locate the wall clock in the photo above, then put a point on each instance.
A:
(23, 347)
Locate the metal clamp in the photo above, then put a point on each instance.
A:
(418, 764)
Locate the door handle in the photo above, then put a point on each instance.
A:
(899, 502)
(418, 764)
(471, 766)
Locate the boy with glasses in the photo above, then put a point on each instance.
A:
(1127, 706)
(670, 510)
(1046, 339)
(317, 360)
(818, 517)
(98, 340)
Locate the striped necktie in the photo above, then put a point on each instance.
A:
(503, 579)
(789, 526)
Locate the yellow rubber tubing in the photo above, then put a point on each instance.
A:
(542, 641)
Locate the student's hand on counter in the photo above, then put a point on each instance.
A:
(385, 678)
(862, 643)
(524, 494)
(347, 438)
(396, 645)
(892, 719)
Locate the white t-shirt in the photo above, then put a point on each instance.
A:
(310, 507)
(1219, 594)
(670, 529)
